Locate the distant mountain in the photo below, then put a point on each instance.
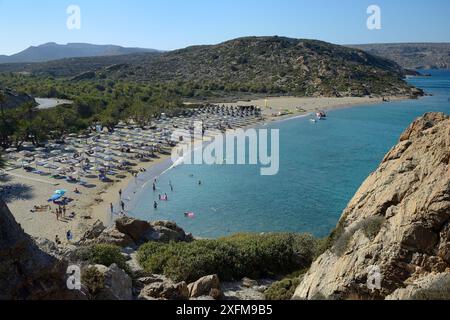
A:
(261, 65)
(412, 55)
(53, 51)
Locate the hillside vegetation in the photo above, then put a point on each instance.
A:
(412, 55)
(265, 65)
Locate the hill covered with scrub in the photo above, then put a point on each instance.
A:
(261, 65)
(412, 55)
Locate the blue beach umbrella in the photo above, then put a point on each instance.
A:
(55, 197)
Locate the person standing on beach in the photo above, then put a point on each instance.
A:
(120, 193)
(122, 205)
(112, 208)
(69, 235)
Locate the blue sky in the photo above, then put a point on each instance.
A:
(171, 24)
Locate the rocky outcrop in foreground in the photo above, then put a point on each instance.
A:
(26, 272)
(129, 232)
(393, 239)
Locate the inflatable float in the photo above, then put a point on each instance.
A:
(189, 215)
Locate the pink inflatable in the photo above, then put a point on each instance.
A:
(189, 215)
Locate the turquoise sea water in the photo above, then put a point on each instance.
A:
(321, 167)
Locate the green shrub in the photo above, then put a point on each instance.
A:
(370, 227)
(104, 254)
(93, 280)
(282, 290)
(285, 288)
(341, 243)
(231, 258)
(328, 242)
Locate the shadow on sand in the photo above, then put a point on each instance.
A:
(16, 191)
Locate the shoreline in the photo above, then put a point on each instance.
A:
(95, 203)
(133, 190)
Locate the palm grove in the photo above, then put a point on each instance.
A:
(102, 101)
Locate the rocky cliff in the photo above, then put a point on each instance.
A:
(393, 239)
(26, 272)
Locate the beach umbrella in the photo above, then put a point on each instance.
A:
(55, 197)
(61, 192)
(25, 152)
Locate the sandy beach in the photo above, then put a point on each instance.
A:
(93, 201)
(91, 204)
(276, 107)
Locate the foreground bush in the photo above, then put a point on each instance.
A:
(242, 255)
(285, 288)
(93, 280)
(104, 254)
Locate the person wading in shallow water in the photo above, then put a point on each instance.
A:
(155, 205)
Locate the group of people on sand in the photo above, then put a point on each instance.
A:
(69, 237)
